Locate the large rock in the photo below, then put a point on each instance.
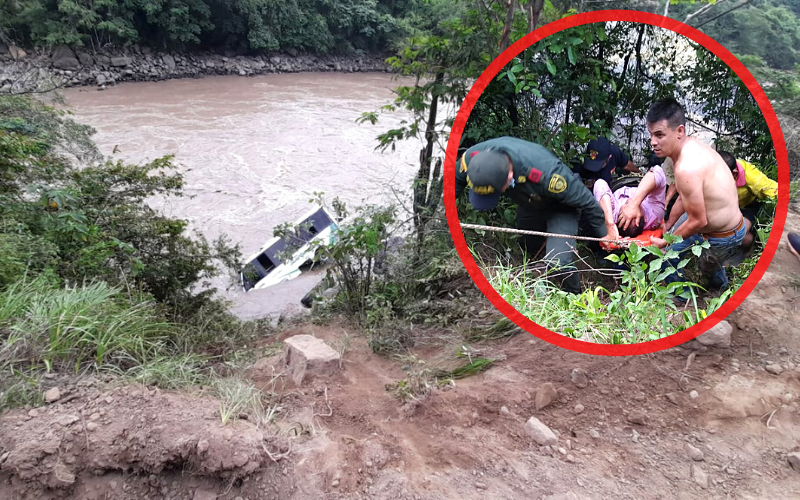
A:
(85, 59)
(66, 63)
(120, 62)
(719, 335)
(540, 432)
(306, 357)
(63, 52)
(16, 52)
(102, 60)
(169, 61)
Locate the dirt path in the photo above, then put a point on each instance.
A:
(643, 427)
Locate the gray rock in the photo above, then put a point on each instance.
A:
(540, 432)
(545, 395)
(579, 378)
(578, 409)
(774, 369)
(637, 417)
(275, 60)
(699, 476)
(694, 453)
(17, 53)
(169, 61)
(52, 395)
(63, 52)
(85, 59)
(794, 460)
(66, 420)
(120, 62)
(306, 356)
(718, 336)
(3, 49)
(100, 80)
(102, 60)
(66, 63)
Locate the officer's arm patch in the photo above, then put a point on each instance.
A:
(557, 184)
(535, 175)
(521, 179)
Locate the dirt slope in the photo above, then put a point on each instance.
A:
(669, 425)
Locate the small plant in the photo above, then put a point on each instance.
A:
(236, 397)
(641, 308)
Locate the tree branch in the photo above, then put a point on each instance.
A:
(701, 10)
(736, 7)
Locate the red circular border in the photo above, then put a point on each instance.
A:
(562, 340)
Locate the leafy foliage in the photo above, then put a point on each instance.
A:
(89, 220)
(319, 26)
(640, 309)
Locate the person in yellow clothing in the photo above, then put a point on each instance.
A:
(752, 187)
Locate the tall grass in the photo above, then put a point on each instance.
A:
(78, 327)
(86, 328)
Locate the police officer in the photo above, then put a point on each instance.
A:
(603, 160)
(548, 197)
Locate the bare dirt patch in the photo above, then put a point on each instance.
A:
(686, 423)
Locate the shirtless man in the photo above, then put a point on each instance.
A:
(706, 188)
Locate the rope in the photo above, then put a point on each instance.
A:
(539, 233)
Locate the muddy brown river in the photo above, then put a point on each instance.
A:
(253, 151)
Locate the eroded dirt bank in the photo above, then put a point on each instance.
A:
(713, 423)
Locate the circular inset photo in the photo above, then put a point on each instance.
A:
(616, 183)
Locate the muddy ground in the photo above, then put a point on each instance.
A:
(713, 424)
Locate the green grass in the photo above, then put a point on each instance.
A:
(637, 309)
(95, 328)
(77, 328)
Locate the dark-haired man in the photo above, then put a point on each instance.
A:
(706, 188)
(548, 197)
(649, 195)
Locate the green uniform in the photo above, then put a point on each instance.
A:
(548, 196)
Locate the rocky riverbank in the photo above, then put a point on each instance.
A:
(21, 71)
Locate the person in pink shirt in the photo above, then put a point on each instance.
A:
(650, 194)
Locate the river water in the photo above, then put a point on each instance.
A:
(253, 151)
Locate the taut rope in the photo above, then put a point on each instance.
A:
(540, 233)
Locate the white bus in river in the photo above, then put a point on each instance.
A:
(280, 260)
